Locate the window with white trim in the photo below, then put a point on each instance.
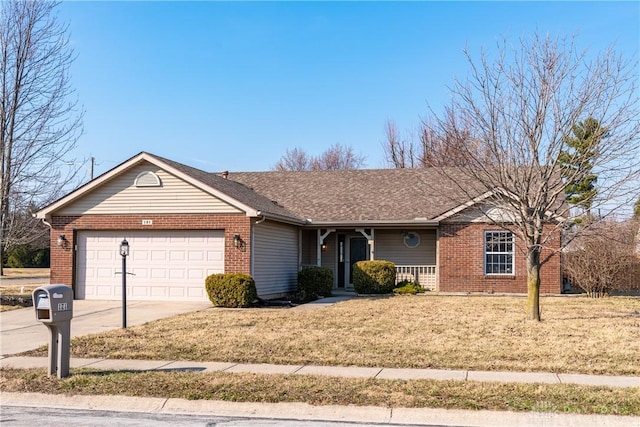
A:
(147, 179)
(498, 252)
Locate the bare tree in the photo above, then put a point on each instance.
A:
(39, 118)
(399, 152)
(336, 157)
(294, 160)
(434, 147)
(520, 104)
(602, 259)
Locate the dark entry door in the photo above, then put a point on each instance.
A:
(357, 252)
(341, 260)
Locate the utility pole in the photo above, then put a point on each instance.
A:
(93, 159)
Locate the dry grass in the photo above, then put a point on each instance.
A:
(10, 273)
(332, 391)
(578, 335)
(9, 307)
(17, 289)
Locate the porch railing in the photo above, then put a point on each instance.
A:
(424, 275)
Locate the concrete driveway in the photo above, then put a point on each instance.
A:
(20, 331)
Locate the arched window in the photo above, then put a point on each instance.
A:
(147, 179)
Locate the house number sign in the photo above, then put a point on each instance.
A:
(147, 222)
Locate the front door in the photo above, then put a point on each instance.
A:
(358, 251)
(341, 260)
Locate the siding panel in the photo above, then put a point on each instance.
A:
(389, 246)
(275, 263)
(121, 196)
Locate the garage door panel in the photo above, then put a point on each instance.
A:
(164, 264)
(140, 255)
(176, 274)
(157, 273)
(195, 274)
(215, 255)
(139, 291)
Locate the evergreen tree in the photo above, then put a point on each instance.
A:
(577, 162)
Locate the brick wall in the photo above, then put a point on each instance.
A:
(461, 263)
(236, 260)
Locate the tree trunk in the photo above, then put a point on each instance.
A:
(533, 284)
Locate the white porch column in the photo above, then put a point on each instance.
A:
(321, 237)
(370, 240)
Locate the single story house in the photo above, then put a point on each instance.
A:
(183, 224)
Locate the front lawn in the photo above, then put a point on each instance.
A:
(577, 335)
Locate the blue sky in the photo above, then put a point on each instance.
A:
(233, 85)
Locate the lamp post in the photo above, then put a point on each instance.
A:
(124, 252)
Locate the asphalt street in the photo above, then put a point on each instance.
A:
(44, 417)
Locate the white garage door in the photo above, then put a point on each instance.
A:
(165, 265)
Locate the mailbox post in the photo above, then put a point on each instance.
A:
(54, 308)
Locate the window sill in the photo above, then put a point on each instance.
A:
(500, 276)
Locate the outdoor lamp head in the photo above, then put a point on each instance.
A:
(124, 248)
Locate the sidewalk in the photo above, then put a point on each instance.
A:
(332, 371)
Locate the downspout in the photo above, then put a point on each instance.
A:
(44, 220)
(253, 240)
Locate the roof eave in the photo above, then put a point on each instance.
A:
(280, 218)
(373, 223)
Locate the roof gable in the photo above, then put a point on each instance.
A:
(232, 193)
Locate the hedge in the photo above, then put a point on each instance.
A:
(374, 277)
(314, 282)
(231, 290)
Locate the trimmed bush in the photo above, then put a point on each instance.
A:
(314, 282)
(231, 290)
(408, 287)
(374, 277)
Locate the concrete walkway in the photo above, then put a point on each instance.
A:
(332, 371)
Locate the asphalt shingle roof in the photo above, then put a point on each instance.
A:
(385, 195)
(234, 189)
(358, 195)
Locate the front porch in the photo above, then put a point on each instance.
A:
(424, 275)
(412, 251)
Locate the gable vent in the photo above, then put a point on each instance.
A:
(147, 179)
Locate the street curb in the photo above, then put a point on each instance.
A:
(304, 411)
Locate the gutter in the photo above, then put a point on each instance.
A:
(371, 223)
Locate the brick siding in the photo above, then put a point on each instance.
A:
(62, 258)
(461, 263)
